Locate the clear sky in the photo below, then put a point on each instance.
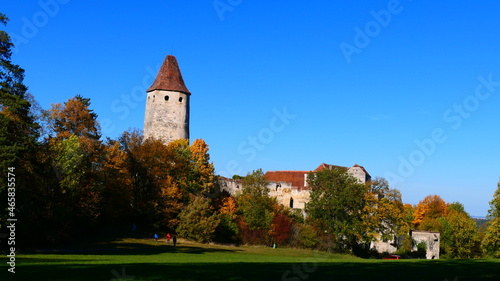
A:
(408, 89)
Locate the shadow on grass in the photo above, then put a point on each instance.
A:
(309, 270)
(127, 248)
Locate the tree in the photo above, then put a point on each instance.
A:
(255, 209)
(280, 228)
(198, 221)
(254, 202)
(494, 211)
(202, 177)
(428, 211)
(491, 240)
(228, 231)
(157, 196)
(74, 117)
(459, 234)
(18, 129)
(337, 204)
(384, 213)
(76, 153)
(117, 194)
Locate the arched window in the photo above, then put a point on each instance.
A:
(291, 202)
(180, 99)
(166, 98)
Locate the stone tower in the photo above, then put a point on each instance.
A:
(167, 104)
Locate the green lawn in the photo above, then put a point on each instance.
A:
(138, 259)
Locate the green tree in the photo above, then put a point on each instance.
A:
(198, 221)
(459, 233)
(254, 202)
(491, 240)
(337, 203)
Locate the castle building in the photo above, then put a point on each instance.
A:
(290, 187)
(167, 105)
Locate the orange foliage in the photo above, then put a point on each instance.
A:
(229, 207)
(429, 209)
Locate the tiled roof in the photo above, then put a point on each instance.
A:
(169, 77)
(329, 167)
(296, 178)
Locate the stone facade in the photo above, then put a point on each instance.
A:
(167, 115)
(290, 187)
(167, 105)
(431, 239)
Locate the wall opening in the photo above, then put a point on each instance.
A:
(180, 99)
(166, 98)
(291, 202)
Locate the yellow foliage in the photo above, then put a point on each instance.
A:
(431, 208)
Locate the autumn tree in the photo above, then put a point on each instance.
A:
(157, 198)
(337, 204)
(202, 175)
(117, 182)
(227, 230)
(281, 228)
(76, 149)
(384, 213)
(428, 211)
(165, 177)
(491, 240)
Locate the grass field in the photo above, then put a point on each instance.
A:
(140, 259)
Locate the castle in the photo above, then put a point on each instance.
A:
(167, 118)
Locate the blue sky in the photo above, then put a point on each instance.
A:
(407, 89)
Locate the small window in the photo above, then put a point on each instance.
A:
(166, 98)
(180, 99)
(291, 202)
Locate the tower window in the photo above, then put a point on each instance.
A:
(180, 99)
(166, 98)
(291, 202)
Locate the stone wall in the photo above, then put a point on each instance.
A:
(431, 239)
(167, 115)
(284, 192)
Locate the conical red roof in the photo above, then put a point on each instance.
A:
(169, 77)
